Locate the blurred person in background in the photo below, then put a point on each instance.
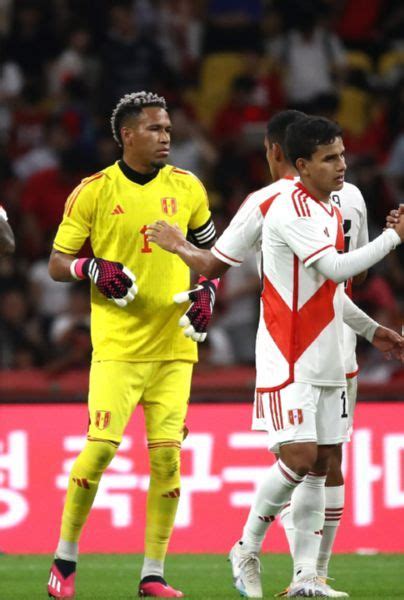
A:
(7, 241)
(190, 148)
(311, 57)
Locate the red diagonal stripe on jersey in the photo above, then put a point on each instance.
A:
(314, 316)
(311, 319)
(264, 206)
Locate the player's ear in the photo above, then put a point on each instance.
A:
(302, 167)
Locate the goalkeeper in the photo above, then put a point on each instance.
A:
(140, 354)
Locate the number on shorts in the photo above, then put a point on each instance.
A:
(344, 412)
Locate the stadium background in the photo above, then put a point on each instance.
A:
(225, 67)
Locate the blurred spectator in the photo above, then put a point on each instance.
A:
(76, 61)
(180, 34)
(44, 197)
(50, 297)
(19, 329)
(11, 82)
(30, 42)
(29, 118)
(70, 332)
(311, 57)
(232, 335)
(46, 154)
(233, 25)
(190, 149)
(131, 60)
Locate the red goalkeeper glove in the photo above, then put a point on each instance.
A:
(113, 280)
(196, 320)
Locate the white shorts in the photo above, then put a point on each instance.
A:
(302, 412)
(352, 392)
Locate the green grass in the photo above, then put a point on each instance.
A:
(201, 577)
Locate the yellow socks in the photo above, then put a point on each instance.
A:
(163, 497)
(83, 484)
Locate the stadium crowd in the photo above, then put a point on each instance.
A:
(225, 67)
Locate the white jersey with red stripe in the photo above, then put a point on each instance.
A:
(354, 214)
(300, 333)
(244, 233)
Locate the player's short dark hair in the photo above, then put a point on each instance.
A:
(305, 135)
(131, 105)
(278, 124)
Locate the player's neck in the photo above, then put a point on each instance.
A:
(135, 175)
(287, 170)
(315, 192)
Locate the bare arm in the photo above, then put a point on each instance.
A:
(7, 242)
(173, 240)
(59, 266)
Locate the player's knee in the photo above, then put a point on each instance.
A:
(99, 453)
(165, 463)
(300, 458)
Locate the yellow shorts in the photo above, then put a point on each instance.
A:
(117, 387)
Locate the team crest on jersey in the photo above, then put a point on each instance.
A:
(169, 206)
(102, 419)
(295, 416)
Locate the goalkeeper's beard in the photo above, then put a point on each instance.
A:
(158, 164)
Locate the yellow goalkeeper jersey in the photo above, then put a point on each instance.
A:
(112, 211)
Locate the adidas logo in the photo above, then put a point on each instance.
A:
(118, 210)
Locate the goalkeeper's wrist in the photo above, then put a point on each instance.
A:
(214, 282)
(77, 268)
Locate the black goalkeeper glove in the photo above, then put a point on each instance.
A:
(114, 281)
(196, 319)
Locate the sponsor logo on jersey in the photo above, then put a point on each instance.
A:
(169, 206)
(295, 416)
(102, 419)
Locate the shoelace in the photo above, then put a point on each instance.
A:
(251, 566)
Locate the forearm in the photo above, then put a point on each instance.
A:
(358, 320)
(201, 261)
(340, 267)
(59, 266)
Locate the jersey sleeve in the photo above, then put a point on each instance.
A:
(306, 237)
(201, 227)
(77, 220)
(242, 235)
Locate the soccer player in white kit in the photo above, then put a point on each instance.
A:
(239, 237)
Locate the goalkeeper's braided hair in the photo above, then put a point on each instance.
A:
(131, 105)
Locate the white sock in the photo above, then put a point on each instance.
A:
(334, 506)
(152, 567)
(271, 495)
(308, 504)
(287, 522)
(67, 550)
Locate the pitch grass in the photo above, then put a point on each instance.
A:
(201, 577)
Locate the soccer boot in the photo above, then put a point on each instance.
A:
(311, 587)
(246, 569)
(154, 586)
(59, 586)
(332, 593)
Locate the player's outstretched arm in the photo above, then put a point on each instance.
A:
(112, 279)
(172, 239)
(389, 342)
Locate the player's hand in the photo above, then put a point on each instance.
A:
(389, 342)
(196, 320)
(164, 235)
(113, 280)
(393, 218)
